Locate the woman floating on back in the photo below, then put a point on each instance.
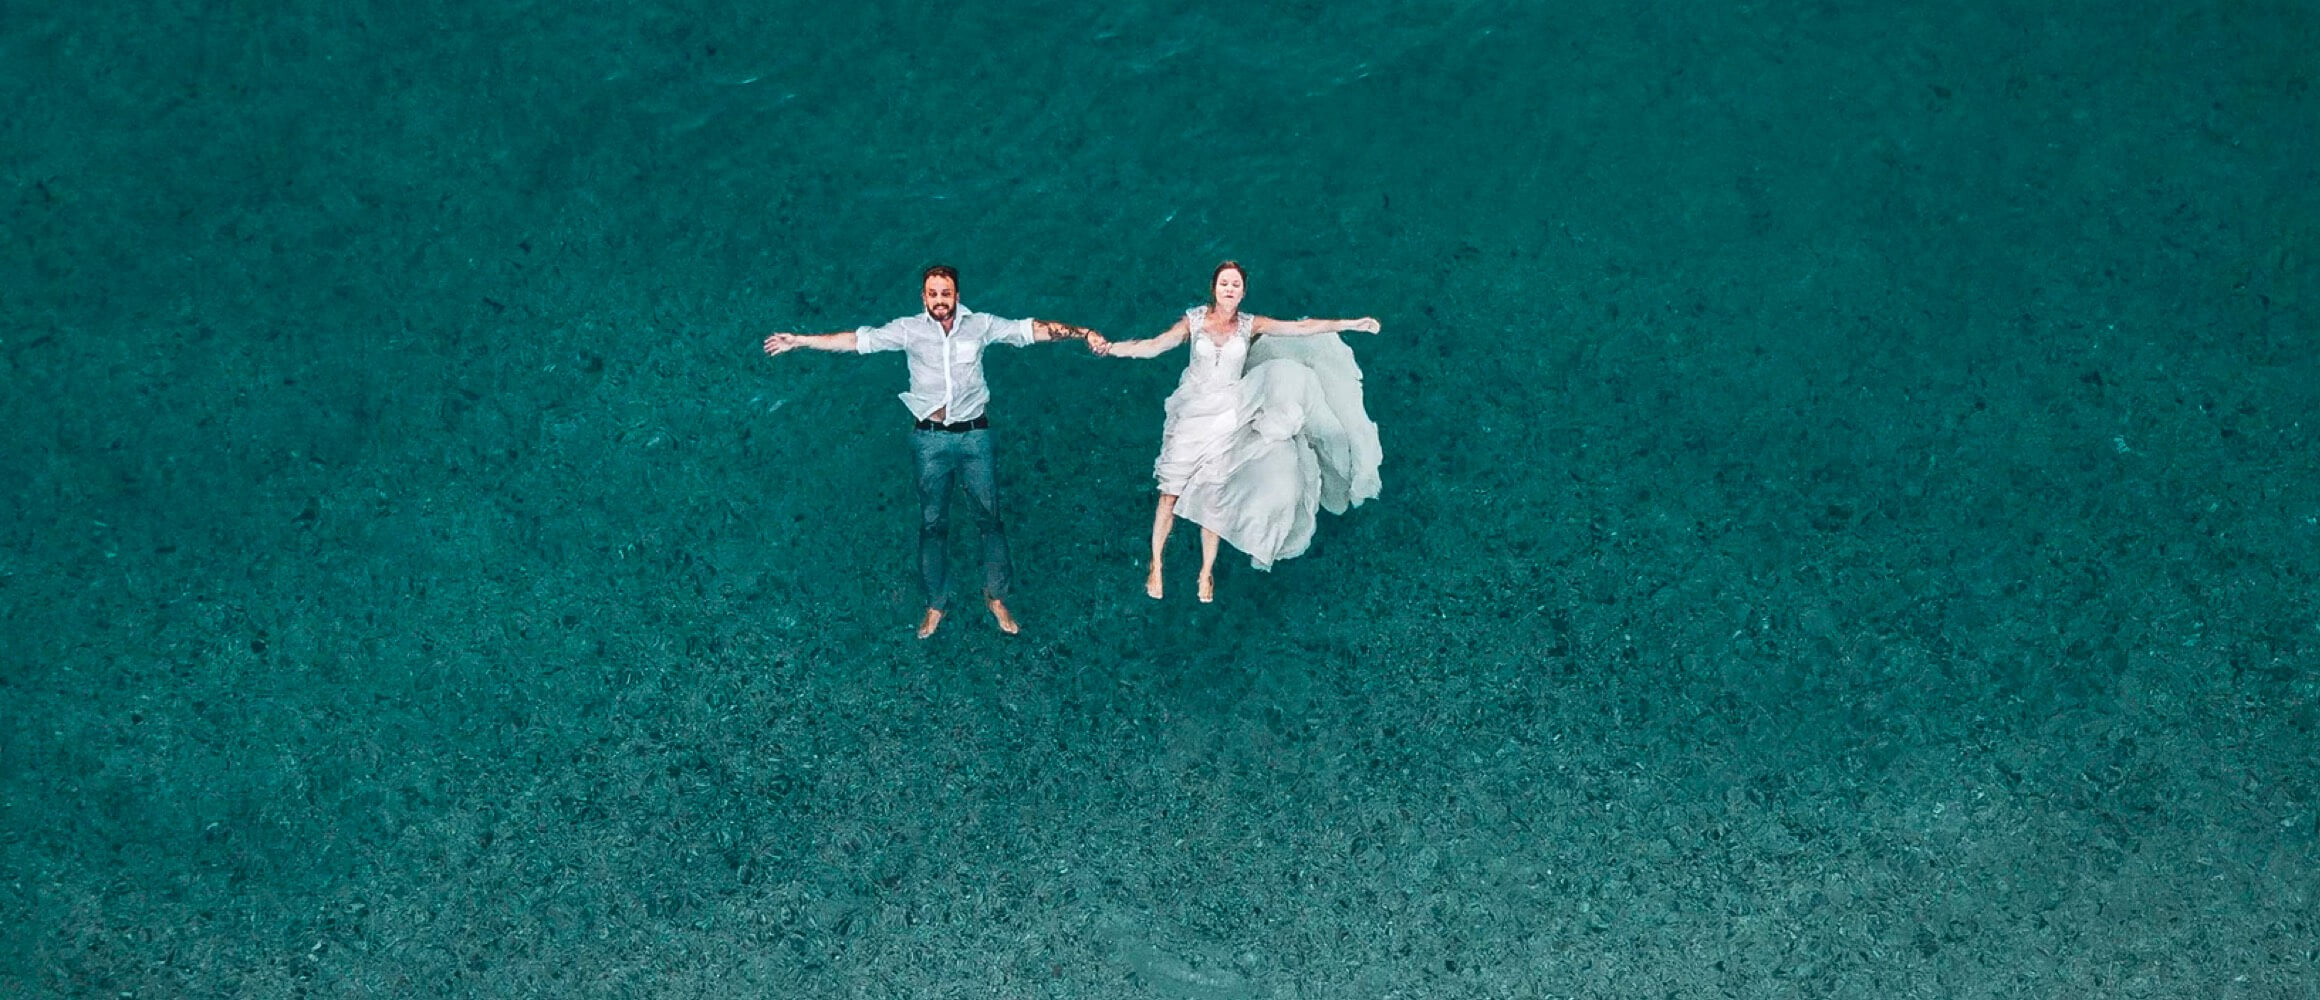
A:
(1266, 427)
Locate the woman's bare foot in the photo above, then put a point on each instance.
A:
(1006, 621)
(928, 624)
(1207, 589)
(1152, 587)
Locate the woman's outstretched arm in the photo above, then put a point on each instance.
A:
(1264, 326)
(1149, 348)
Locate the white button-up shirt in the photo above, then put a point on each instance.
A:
(946, 370)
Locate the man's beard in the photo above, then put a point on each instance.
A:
(942, 314)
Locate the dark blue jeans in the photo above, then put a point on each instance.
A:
(963, 457)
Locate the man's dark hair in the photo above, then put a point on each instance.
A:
(940, 271)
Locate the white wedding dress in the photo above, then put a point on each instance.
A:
(1263, 432)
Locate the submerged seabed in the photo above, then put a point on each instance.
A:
(1849, 523)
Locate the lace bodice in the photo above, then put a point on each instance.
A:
(1215, 364)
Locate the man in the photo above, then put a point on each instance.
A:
(947, 394)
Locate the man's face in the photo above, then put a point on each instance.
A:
(941, 296)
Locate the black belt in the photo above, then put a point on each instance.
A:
(964, 425)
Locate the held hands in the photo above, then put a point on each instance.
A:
(1097, 344)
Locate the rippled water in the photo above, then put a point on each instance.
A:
(1848, 523)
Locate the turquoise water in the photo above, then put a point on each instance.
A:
(1848, 531)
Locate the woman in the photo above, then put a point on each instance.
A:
(1260, 431)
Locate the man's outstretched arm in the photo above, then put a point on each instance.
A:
(780, 342)
(1047, 329)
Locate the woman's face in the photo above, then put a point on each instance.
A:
(1228, 289)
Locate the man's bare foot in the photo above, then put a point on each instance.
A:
(1207, 589)
(928, 624)
(1006, 621)
(1152, 588)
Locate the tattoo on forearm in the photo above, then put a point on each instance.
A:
(1060, 331)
